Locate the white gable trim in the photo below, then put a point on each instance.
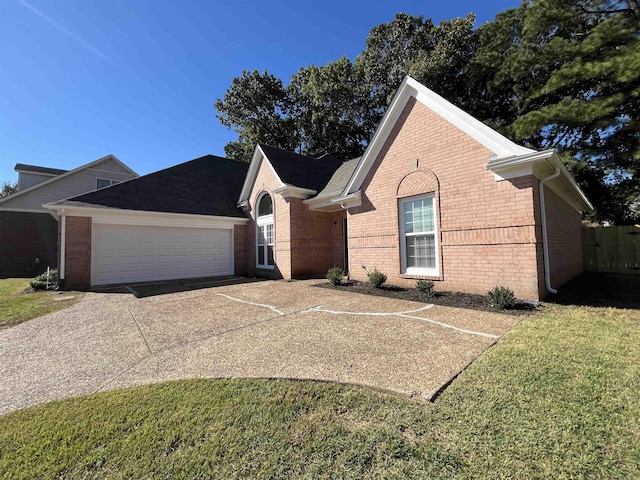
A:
(67, 174)
(541, 164)
(250, 179)
(287, 191)
(409, 88)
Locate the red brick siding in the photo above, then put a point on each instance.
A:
(486, 228)
(78, 253)
(564, 230)
(316, 240)
(307, 242)
(266, 182)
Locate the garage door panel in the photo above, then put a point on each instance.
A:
(123, 253)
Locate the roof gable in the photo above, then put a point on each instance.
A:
(508, 159)
(208, 185)
(68, 173)
(296, 173)
(410, 88)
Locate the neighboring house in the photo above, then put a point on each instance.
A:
(28, 232)
(437, 195)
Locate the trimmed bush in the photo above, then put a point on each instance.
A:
(376, 278)
(501, 297)
(425, 288)
(334, 275)
(40, 282)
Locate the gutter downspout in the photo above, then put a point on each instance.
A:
(63, 244)
(545, 237)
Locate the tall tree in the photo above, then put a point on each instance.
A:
(411, 45)
(331, 110)
(8, 188)
(589, 105)
(256, 107)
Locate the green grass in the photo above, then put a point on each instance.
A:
(17, 305)
(556, 398)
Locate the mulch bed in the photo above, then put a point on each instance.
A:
(447, 299)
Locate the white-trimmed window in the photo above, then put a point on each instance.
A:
(418, 235)
(103, 183)
(265, 232)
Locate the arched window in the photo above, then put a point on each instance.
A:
(265, 232)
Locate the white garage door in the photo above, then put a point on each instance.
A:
(123, 253)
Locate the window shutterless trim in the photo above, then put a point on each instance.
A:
(421, 271)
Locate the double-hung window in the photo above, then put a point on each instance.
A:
(265, 233)
(418, 236)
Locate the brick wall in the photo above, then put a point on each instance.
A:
(487, 233)
(564, 231)
(316, 240)
(78, 253)
(307, 242)
(266, 182)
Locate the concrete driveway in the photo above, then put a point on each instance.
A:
(264, 329)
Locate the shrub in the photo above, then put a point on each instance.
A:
(425, 288)
(334, 275)
(501, 297)
(376, 278)
(40, 282)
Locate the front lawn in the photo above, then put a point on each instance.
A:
(557, 397)
(19, 303)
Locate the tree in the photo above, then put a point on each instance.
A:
(587, 103)
(330, 110)
(8, 188)
(410, 45)
(561, 74)
(256, 106)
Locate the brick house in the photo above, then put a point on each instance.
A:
(437, 195)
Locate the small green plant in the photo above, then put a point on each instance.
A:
(425, 288)
(376, 278)
(334, 275)
(41, 282)
(501, 297)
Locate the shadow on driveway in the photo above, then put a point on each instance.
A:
(150, 289)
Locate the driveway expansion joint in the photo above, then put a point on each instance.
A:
(140, 330)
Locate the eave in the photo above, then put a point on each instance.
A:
(540, 165)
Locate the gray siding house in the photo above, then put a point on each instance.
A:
(28, 232)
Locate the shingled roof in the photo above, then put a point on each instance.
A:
(208, 185)
(302, 171)
(23, 167)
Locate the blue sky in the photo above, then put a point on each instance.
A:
(138, 79)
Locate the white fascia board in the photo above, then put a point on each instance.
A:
(250, 179)
(498, 163)
(24, 210)
(146, 218)
(323, 203)
(520, 165)
(286, 191)
(483, 134)
(64, 175)
(347, 201)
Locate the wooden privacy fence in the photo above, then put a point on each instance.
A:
(612, 249)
